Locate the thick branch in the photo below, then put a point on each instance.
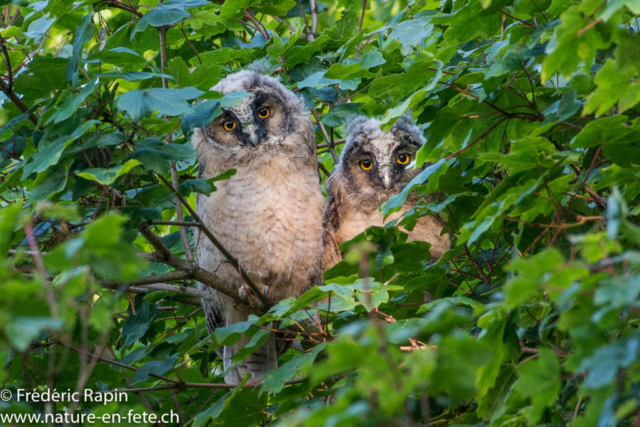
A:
(155, 282)
(194, 272)
(17, 101)
(314, 20)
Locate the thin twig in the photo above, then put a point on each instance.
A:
(51, 296)
(481, 51)
(7, 61)
(176, 223)
(183, 231)
(336, 142)
(589, 26)
(191, 45)
(462, 150)
(330, 144)
(174, 172)
(257, 24)
(516, 19)
(541, 12)
(364, 8)
(304, 16)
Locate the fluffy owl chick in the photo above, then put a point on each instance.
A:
(373, 166)
(268, 215)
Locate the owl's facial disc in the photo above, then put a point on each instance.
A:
(256, 121)
(380, 163)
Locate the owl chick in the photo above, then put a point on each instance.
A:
(268, 215)
(373, 166)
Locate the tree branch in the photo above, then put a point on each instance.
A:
(265, 303)
(364, 8)
(174, 172)
(258, 25)
(326, 137)
(17, 101)
(165, 256)
(155, 283)
(314, 20)
(304, 16)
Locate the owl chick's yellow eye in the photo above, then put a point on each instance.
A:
(366, 164)
(264, 112)
(229, 125)
(403, 159)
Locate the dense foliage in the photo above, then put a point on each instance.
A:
(531, 117)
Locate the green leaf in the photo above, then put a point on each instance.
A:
(203, 186)
(397, 86)
(338, 115)
(156, 155)
(38, 28)
(109, 175)
(205, 112)
(347, 72)
(22, 331)
(45, 74)
(75, 61)
(72, 103)
(613, 84)
(155, 367)
(540, 380)
(275, 380)
(46, 156)
(395, 202)
(167, 13)
(142, 103)
(411, 33)
(203, 77)
(138, 320)
(277, 48)
(600, 132)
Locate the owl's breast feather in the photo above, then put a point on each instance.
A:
(269, 218)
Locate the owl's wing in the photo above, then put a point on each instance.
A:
(331, 223)
(213, 315)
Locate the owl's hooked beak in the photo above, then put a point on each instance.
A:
(251, 134)
(386, 179)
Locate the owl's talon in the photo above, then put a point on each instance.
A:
(244, 291)
(266, 291)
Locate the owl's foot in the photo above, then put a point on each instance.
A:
(247, 295)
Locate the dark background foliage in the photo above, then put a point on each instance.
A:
(530, 112)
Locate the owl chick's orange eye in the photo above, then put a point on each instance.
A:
(403, 159)
(264, 112)
(229, 125)
(366, 164)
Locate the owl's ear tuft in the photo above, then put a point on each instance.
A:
(357, 124)
(405, 124)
